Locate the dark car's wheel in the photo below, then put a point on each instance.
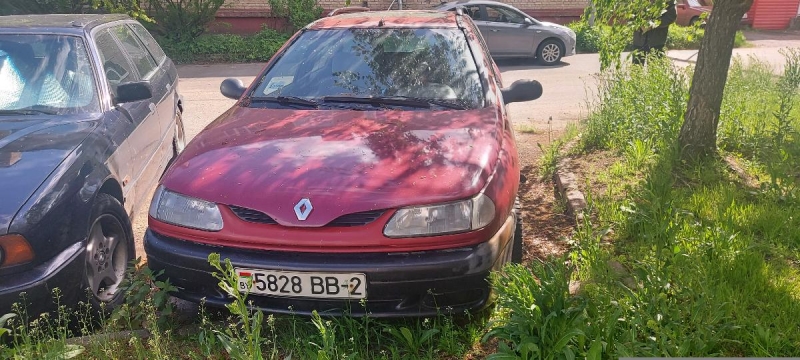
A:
(109, 249)
(694, 21)
(179, 142)
(550, 52)
(518, 243)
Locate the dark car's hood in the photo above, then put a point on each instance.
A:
(343, 161)
(30, 149)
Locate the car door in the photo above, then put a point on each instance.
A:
(128, 118)
(166, 81)
(505, 31)
(154, 145)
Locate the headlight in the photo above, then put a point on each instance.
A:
(185, 211)
(440, 219)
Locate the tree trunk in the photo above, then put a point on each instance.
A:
(698, 136)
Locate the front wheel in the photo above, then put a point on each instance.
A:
(550, 52)
(109, 250)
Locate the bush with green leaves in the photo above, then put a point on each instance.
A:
(299, 13)
(589, 38)
(183, 20)
(225, 47)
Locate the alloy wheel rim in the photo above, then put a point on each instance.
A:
(550, 52)
(106, 257)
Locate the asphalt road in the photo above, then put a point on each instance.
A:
(567, 90)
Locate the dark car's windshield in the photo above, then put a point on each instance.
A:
(421, 64)
(48, 74)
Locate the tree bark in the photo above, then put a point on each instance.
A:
(698, 135)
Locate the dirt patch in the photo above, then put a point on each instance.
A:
(544, 223)
(589, 166)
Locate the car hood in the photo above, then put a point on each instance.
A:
(30, 149)
(554, 25)
(343, 161)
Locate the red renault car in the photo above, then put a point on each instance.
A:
(370, 168)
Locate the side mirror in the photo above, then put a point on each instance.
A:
(522, 90)
(528, 21)
(232, 88)
(134, 91)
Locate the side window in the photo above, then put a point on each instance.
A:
(504, 15)
(473, 11)
(115, 65)
(141, 58)
(149, 42)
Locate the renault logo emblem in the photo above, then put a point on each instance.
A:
(303, 209)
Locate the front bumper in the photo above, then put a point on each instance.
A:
(398, 284)
(63, 271)
(571, 47)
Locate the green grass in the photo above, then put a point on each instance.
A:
(677, 260)
(238, 333)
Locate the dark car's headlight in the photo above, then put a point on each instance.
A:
(181, 210)
(440, 219)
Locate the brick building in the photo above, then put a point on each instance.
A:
(247, 16)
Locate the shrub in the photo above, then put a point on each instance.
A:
(680, 37)
(183, 20)
(299, 12)
(588, 37)
(225, 47)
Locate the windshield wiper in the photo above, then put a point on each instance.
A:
(288, 100)
(26, 112)
(395, 101)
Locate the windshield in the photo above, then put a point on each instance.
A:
(45, 74)
(428, 64)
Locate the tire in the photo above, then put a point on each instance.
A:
(694, 21)
(550, 52)
(109, 249)
(518, 242)
(179, 141)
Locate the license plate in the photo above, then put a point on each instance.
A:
(303, 284)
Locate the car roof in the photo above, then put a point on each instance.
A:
(61, 23)
(470, 2)
(388, 19)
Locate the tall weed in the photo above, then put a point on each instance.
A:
(643, 103)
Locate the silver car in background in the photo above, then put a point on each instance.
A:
(510, 33)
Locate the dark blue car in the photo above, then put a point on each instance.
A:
(89, 119)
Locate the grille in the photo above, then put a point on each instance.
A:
(355, 219)
(252, 215)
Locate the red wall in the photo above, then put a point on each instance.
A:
(773, 14)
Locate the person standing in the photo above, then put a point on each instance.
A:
(655, 39)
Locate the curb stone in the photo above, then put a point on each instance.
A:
(567, 185)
